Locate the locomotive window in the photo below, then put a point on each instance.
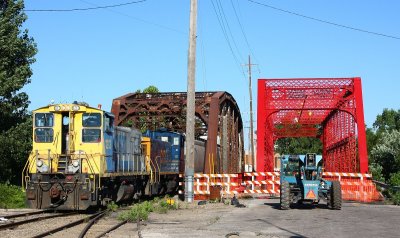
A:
(44, 119)
(176, 140)
(108, 124)
(91, 135)
(44, 135)
(91, 120)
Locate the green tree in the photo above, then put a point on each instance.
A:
(300, 145)
(17, 51)
(382, 144)
(151, 89)
(16, 144)
(387, 121)
(371, 140)
(387, 153)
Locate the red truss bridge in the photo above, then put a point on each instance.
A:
(330, 109)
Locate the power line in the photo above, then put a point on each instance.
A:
(138, 19)
(241, 28)
(324, 21)
(222, 25)
(229, 28)
(85, 9)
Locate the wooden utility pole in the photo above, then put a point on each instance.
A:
(190, 104)
(251, 118)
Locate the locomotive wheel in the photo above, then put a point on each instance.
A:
(285, 196)
(336, 196)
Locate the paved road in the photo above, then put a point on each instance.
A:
(262, 218)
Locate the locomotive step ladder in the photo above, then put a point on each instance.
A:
(62, 163)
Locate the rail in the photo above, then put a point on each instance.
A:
(23, 214)
(18, 223)
(90, 224)
(69, 225)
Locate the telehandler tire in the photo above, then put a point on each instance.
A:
(285, 196)
(336, 196)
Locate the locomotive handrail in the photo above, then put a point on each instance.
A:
(151, 171)
(159, 170)
(25, 172)
(91, 169)
(55, 141)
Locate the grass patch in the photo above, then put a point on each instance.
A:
(11, 196)
(112, 207)
(142, 210)
(139, 211)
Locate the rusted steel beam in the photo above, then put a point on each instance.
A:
(168, 110)
(211, 149)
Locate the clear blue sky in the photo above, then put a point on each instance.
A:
(98, 55)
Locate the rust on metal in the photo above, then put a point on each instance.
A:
(218, 119)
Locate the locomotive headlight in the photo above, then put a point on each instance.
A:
(75, 107)
(75, 163)
(39, 163)
(57, 108)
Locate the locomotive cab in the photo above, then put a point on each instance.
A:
(72, 146)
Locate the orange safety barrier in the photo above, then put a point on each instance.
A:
(213, 186)
(355, 186)
(261, 183)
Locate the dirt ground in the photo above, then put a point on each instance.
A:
(258, 218)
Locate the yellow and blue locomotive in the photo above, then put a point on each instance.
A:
(80, 159)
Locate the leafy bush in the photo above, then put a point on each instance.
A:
(161, 207)
(141, 211)
(396, 198)
(376, 171)
(395, 179)
(11, 196)
(137, 212)
(112, 207)
(395, 193)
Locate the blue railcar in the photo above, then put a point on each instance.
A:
(175, 141)
(160, 156)
(127, 151)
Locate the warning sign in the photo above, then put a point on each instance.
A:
(310, 194)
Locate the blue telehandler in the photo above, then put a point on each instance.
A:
(302, 183)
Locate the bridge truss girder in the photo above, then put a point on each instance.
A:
(218, 119)
(330, 109)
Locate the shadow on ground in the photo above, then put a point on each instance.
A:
(276, 206)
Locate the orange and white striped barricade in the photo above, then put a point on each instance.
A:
(261, 183)
(228, 183)
(213, 186)
(355, 186)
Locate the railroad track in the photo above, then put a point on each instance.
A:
(13, 224)
(90, 220)
(24, 214)
(112, 228)
(116, 226)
